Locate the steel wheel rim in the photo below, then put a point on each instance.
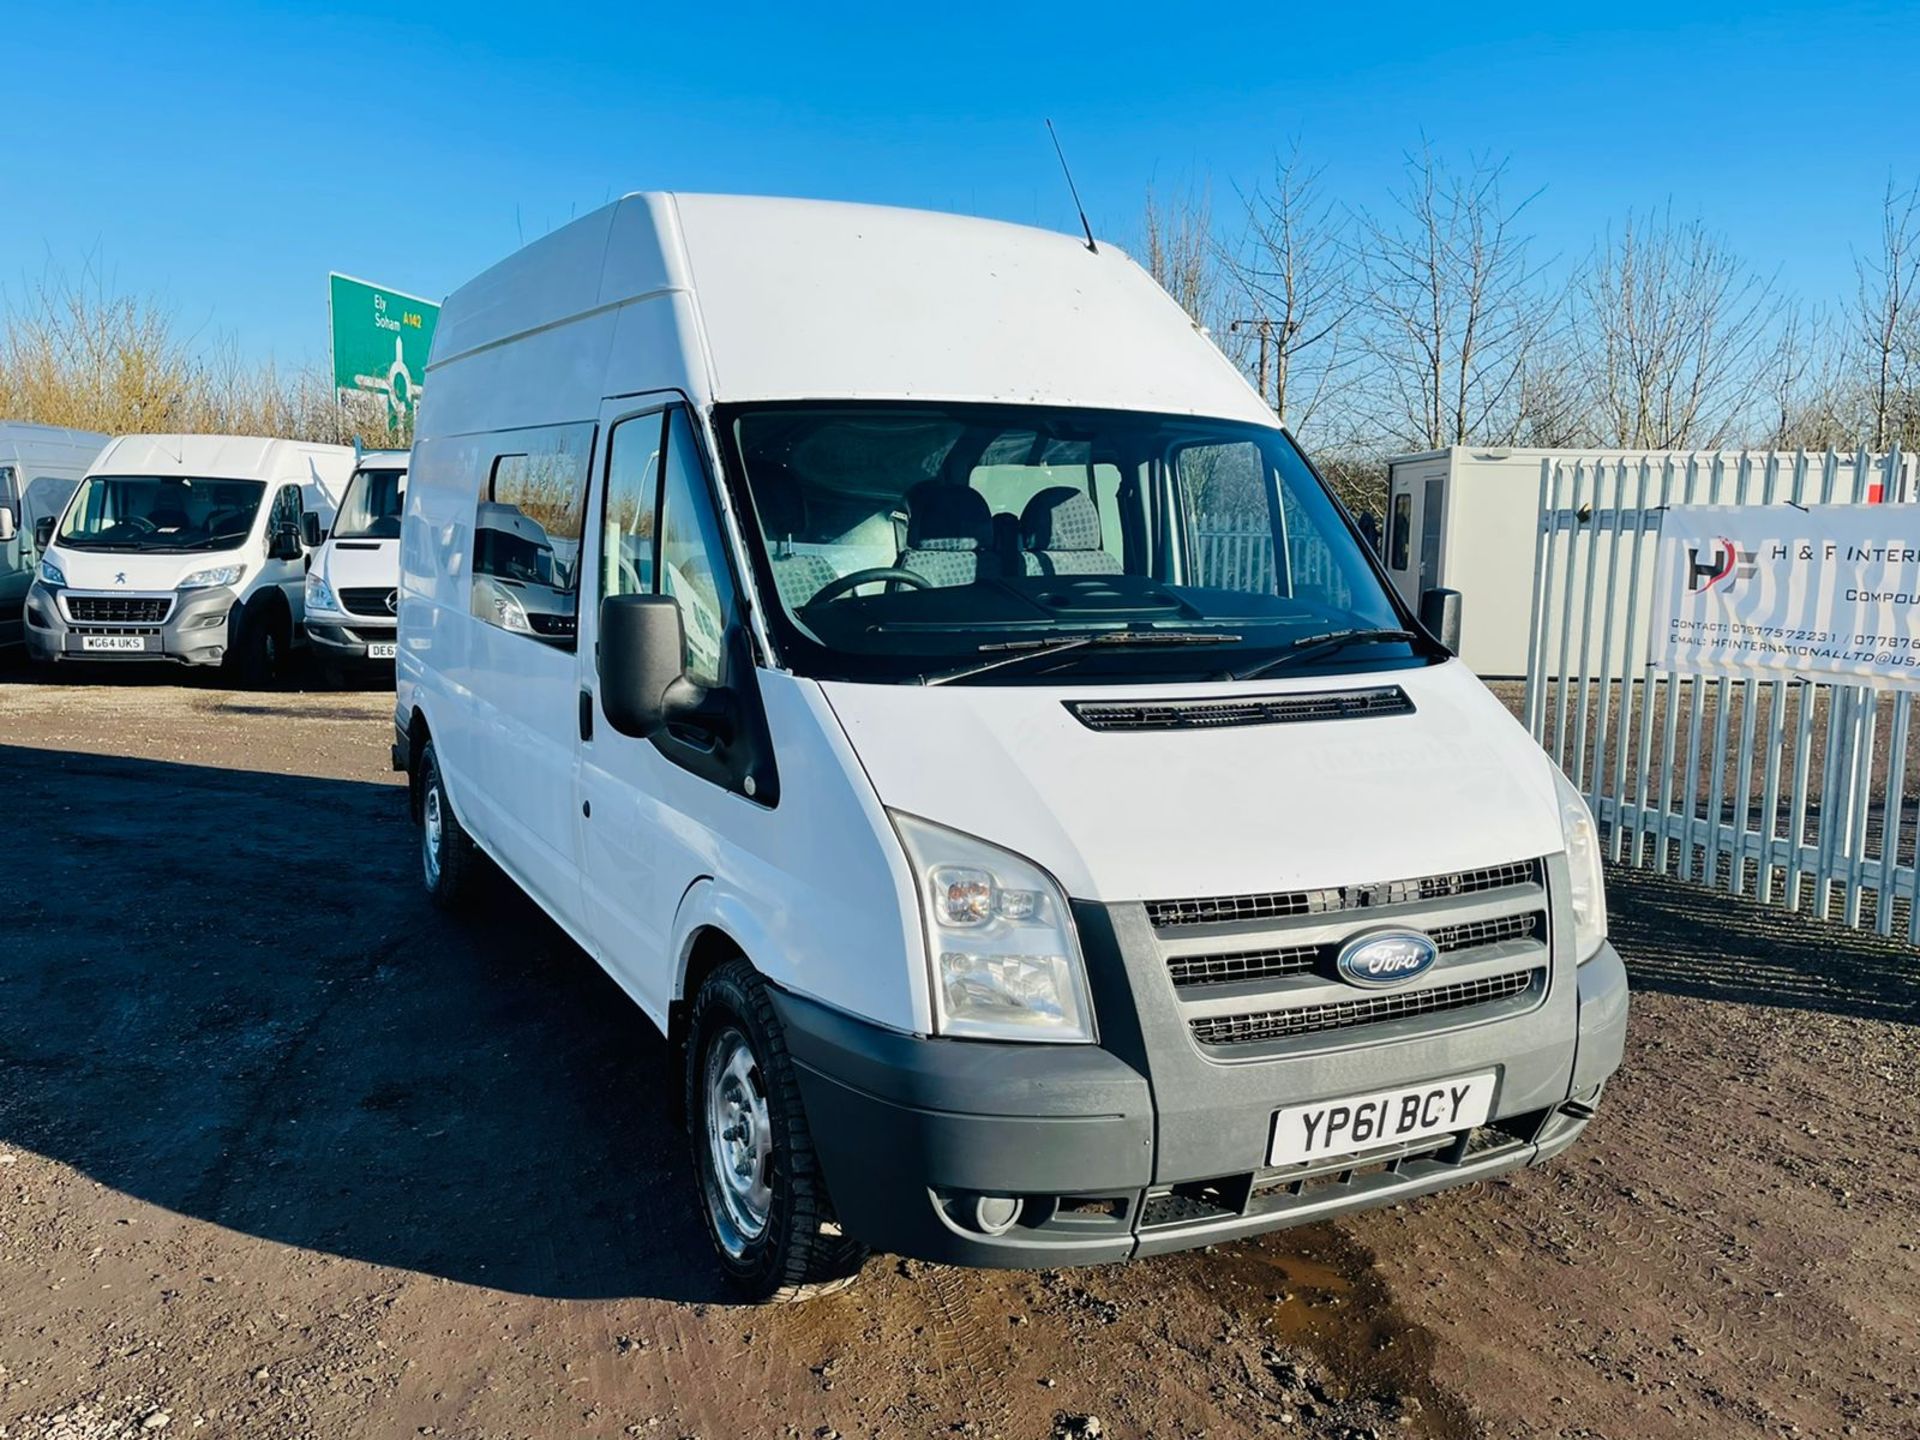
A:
(739, 1143)
(430, 831)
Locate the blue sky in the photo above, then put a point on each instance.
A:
(223, 158)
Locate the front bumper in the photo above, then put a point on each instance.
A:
(347, 638)
(1143, 1145)
(194, 630)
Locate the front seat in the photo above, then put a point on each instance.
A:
(1060, 535)
(783, 514)
(949, 534)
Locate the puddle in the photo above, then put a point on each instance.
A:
(1321, 1294)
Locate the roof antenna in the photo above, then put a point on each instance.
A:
(1072, 189)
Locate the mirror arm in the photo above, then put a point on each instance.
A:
(715, 709)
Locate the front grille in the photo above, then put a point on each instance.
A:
(367, 599)
(119, 609)
(1279, 905)
(1476, 933)
(1189, 971)
(1252, 1029)
(1221, 714)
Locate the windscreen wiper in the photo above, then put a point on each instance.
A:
(1041, 648)
(1308, 646)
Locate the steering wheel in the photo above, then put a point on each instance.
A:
(853, 580)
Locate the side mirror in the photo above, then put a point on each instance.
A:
(9, 527)
(310, 530)
(284, 544)
(1440, 616)
(642, 668)
(43, 532)
(642, 663)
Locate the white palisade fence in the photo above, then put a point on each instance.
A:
(1797, 792)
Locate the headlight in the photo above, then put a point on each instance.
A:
(319, 596)
(1588, 894)
(218, 575)
(510, 614)
(1006, 962)
(50, 573)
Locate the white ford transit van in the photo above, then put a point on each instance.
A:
(39, 466)
(352, 592)
(906, 654)
(184, 548)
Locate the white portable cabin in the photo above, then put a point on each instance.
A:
(1467, 518)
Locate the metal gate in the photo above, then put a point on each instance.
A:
(1801, 793)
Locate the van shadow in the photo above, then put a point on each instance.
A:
(225, 993)
(1688, 940)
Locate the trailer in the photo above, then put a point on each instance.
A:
(1468, 518)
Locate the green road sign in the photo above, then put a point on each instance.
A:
(380, 341)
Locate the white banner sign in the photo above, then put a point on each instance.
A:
(1831, 591)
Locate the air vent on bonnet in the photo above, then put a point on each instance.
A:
(1256, 710)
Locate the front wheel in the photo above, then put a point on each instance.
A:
(258, 647)
(448, 856)
(761, 1191)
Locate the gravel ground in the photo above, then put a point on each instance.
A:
(285, 1152)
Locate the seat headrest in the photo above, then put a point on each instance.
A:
(783, 508)
(1060, 518)
(942, 516)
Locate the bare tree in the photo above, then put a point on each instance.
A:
(1454, 304)
(1673, 334)
(1181, 252)
(1887, 320)
(1293, 274)
(1551, 407)
(74, 351)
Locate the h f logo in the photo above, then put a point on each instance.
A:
(1723, 565)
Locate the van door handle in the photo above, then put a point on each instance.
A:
(586, 715)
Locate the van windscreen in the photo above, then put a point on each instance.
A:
(909, 541)
(160, 512)
(371, 507)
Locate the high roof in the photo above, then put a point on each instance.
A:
(809, 299)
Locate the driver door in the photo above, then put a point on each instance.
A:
(627, 840)
(289, 575)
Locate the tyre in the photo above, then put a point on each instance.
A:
(761, 1192)
(259, 650)
(449, 860)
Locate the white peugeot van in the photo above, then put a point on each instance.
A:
(905, 653)
(185, 548)
(352, 592)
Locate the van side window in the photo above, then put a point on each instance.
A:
(1232, 540)
(693, 561)
(632, 504)
(526, 533)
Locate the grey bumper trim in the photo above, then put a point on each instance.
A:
(194, 632)
(905, 1125)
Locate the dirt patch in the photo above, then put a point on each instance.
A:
(283, 1151)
